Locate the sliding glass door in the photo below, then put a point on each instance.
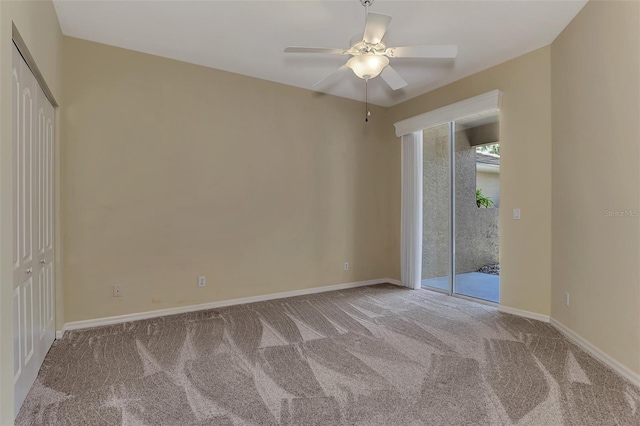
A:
(436, 210)
(460, 241)
(477, 195)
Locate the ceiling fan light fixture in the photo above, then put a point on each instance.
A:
(368, 65)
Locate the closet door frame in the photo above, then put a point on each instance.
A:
(33, 221)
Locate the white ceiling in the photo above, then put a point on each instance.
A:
(247, 37)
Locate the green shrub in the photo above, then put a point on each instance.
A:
(482, 200)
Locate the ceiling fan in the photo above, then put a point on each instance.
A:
(370, 55)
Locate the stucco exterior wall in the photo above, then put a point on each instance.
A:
(435, 206)
(477, 236)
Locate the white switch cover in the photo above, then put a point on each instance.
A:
(202, 281)
(516, 214)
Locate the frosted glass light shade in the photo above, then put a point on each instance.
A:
(368, 65)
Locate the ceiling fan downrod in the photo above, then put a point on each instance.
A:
(366, 4)
(367, 113)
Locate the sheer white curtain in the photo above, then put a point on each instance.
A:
(411, 222)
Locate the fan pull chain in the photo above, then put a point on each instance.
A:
(367, 113)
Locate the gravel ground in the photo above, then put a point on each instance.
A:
(490, 269)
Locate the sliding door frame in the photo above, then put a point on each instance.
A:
(452, 208)
(412, 170)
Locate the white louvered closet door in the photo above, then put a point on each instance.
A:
(33, 236)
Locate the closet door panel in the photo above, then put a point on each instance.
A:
(25, 135)
(33, 129)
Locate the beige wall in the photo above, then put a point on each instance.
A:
(37, 24)
(525, 169)
(172, 171)
(596, 169)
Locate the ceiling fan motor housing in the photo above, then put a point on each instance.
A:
(359, 46)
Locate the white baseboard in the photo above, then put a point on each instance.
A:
(75, 325)
(597, 353)
(391, 281)
(522, 313)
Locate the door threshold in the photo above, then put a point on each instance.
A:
(462, 296)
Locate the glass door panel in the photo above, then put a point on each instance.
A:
(476, 217)
(436, 209)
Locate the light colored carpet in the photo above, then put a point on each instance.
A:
(379, 355)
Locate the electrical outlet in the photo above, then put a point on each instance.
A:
(566, 298)
(516, 214)
(202, 281)
(117, 290)
(346, 266)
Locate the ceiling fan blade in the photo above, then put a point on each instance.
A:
(331, 77)
(434, 51)
(393, 79)
(331, 51)
(375, 27)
